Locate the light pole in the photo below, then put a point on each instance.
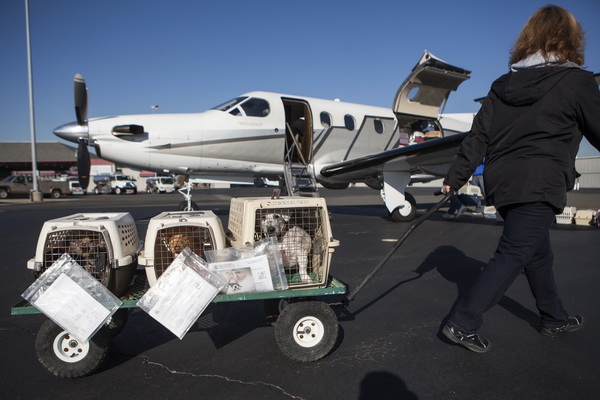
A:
(36, 195)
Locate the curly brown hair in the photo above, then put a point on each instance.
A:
(550, 30)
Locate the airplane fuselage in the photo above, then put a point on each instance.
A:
(229, 142)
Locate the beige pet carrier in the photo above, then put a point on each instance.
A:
(306, 217)
(170, 232)
(104, 244)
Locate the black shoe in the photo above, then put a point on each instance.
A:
(471, 341)
(573, 323)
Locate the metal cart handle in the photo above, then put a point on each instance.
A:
(410, 229)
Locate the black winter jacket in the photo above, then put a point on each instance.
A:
(529, 128)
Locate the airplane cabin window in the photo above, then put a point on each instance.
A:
(378, 125)
(349, 122)
(255, 107)
(325, 120)
(229, 104)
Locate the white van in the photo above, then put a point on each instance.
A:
(160, 184)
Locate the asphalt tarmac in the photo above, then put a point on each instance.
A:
(389, 347)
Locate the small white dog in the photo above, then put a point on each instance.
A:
(294, 243)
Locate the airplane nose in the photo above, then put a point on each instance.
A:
(71, 132)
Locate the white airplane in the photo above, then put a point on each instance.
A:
(300, 139)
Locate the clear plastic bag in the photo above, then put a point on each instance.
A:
(271, 249)
(182, 293)
(243, 268)
(72, 298)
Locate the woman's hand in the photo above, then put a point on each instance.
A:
(446, 189)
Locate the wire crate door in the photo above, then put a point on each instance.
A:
(89, 248)
(302, 239)
(173, 240)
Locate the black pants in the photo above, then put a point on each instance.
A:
(524, 244)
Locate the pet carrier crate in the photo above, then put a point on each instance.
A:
(105, 244)
(170, 232)
(301, 225)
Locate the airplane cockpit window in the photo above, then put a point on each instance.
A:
(255, 107)
(378, 125)
(349, 122)
(229, 104)
(325, 120)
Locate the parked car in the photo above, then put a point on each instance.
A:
(76, 188)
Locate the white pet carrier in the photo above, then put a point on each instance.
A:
(170, 232)
(104, 244)
(302, 229)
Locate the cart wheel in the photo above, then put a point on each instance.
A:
(66, 357)
(273, 307)
(406, 213)
(306, 331)
(117, 322)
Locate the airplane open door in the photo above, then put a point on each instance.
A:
(298, 132)
(297, 163)
(426, 90)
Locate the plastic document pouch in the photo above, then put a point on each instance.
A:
(182, 293)
(72, 298)
(245, 275)
(250, 269)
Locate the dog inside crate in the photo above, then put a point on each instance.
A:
(88, 248)
(299, 233)
(170, 242)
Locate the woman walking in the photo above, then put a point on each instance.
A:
(529, 129)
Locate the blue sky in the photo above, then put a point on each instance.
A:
(187, 56)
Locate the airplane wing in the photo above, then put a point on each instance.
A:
(432, 157)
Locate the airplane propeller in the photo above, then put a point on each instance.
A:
(83, 154)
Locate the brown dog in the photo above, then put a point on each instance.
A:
(178, 242)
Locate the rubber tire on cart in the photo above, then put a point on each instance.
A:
(117, 322)
(183, 206)
(79, 359)
(404, 215)
(306, 331)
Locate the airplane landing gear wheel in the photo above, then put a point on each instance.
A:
(183, 206)
(306, 331)
(65, 356)
(406, 212)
